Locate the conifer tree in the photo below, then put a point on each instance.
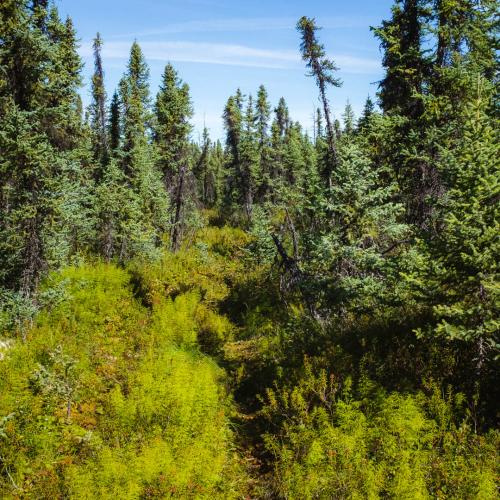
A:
(263, 115)
(249, 159)
(323, 71)
(173, 111)
(318, 125)
(337, 127)
(282, 117)
(98, 108)
(405, 61)
(114, 127)
(208, 171)
(467, 30)
(201, 169)
(279, 130)
(233, 123)
(293, 160)
(460, 278)
(263, 111)
(41, 143)
(366, 115)
(61, 115)
(147, 220)
(134, 95)
(349, 119)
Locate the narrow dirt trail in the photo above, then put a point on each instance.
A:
(239, 357)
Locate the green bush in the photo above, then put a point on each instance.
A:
(327, 445)
(108, 399)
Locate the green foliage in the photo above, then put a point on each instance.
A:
(462, 275)
(97, 110)
(104, 399)
(207, 267)
(330, 446)
(351, 308)
(173, 110)
(404, 57)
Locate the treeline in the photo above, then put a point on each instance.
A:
(371, 293)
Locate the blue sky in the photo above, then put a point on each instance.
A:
(220, 45)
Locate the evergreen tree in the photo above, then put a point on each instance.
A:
(249, 159)
(201, 170)
(405, 60)
(349, 119)
(318, 125)
(134, 94)
(148, 221)
(279, 130)
(466, 30)
(337, 127)
(114, 127)
(323, 71)
(366, 115)
(61, 110)
(293, 160)
(263, 115)
(98, 107)
(282, 117)
(460, 277)
(263, 110)
(233, 123)
(41, 132)
(173, 111)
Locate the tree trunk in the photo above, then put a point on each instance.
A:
(32, 261)
(332, 150)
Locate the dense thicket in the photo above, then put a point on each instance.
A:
(335, 296)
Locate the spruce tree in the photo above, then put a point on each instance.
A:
(233, 123)
(405, 59)
(467, 30)
(201, 169)
(249, 159)
(114, 127)
(41, 151)
(61, 116)
(367, 114)
(460, 275)
(279, 130)
(173, 111)
(349, 119)
(134, 95)
(282, 117)
(323, 71)
(98, 107)
(263, 111)
(318, 125)
(138, 163)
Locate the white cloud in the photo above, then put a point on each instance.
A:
(226, 54)
(200, 52)
(358, 65)
(249, 24)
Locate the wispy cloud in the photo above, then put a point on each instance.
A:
(247, 24)
(226, 54)
(200, 52)
(358, 65)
